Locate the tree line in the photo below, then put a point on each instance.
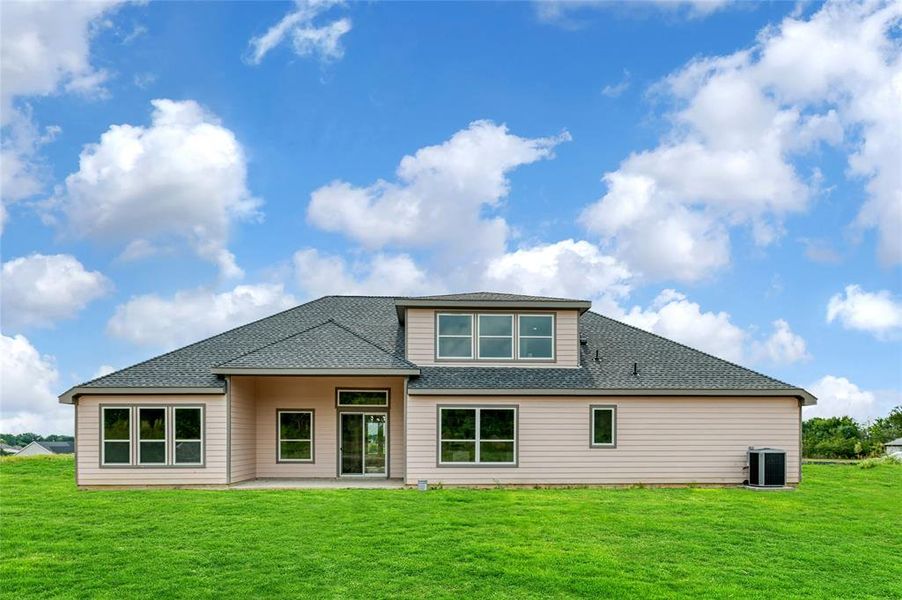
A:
(843, 437)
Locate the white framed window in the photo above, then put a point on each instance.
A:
(295, 435)
(480, 435)
(496, 336)
(363, 398)
(535, 337)
(454, 332)
(116, 435)
(152, 435)
(603, 426)
(188, 435)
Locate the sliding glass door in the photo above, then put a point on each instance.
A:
(363, 444)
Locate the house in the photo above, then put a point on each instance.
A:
(478, 388)
(37, 447)
(7, 450)
(894, 447)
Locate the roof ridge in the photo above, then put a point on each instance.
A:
(709, 355)
(278, 341)
(373, 344)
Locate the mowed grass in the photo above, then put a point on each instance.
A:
(838, 536)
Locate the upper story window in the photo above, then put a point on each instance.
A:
(496, 336)
(455, 335)
(536, 337)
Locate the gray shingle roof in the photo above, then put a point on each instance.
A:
(58, 447)
(493, 297)
(364, 332)
(326, 346)
(662, 364)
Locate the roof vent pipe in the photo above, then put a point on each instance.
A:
(596, 355)
(636, 368)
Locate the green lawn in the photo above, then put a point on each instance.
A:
(838, 536)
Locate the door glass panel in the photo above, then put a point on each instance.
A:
(375, 444)
(352, 444)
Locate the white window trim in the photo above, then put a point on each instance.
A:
(103, 439)
(176, 440)
(439, 336)
(520, 336)
(341, 390)
(479, 336)
(613, 410)
(478, 440)
(164, 441)
(280, 439)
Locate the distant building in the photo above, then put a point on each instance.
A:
(894, 447)
(47, 448)
(7, 450)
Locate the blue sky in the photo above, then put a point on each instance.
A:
(722, 174)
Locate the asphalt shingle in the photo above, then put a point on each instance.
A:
(364, 332)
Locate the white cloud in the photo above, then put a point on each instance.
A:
(44, 48)
(39, 289)
(837, 397)
(567, 268)
(561, 12)
(27, 400)
(877, 313)
(307, 39)
(740, 123)
(673, 316)
(613, 90)
(103, 370)
(188, 316)
(782, 347)
(322, 274)
(183, 177)
(440, 197)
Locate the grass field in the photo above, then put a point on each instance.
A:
(838, 536)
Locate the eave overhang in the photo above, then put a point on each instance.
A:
(580, 305)
(72, 394)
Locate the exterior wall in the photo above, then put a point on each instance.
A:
(420, 339)
(659, 440)
(318, 394)
(243, 433)
(87, 444)
(33, 450)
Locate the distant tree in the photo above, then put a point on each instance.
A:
(834, 437)
(23, 439)
(887, 428)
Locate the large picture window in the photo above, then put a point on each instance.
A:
(152, 436)
(295, 436)
(116, 443)
(362, 397)
(477, 435)
(455, 335)
(189, 435)
(536, 337)
(496, 336)
(604, 426)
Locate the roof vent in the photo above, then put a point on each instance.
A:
(583, 341)
(636, 368)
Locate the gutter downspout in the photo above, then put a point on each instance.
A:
(406, 457)
(228, 399)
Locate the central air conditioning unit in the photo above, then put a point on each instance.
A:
(767, 467)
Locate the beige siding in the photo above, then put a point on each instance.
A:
(659, 440)
(420, 331)
(318, 394)
(88, 444)
(243, 421)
